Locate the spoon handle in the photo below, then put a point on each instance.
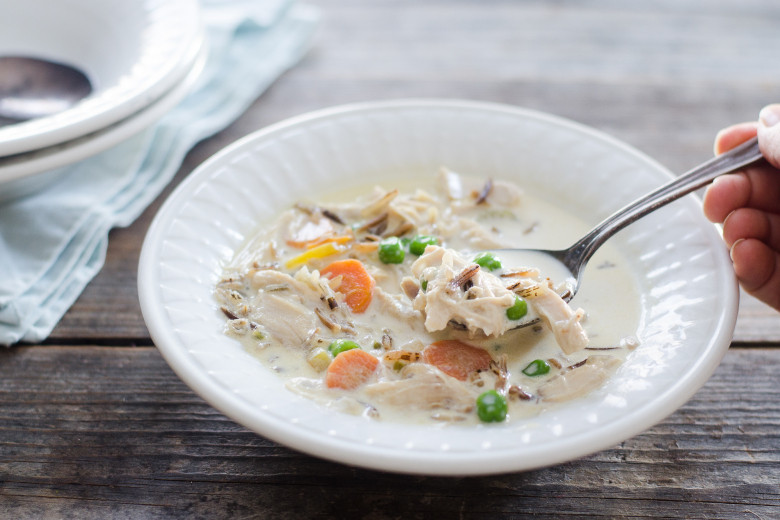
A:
(736, 158)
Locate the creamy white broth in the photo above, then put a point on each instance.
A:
(608, 296)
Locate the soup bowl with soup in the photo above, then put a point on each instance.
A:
(328, 283)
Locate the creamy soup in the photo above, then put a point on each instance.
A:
(395, 304)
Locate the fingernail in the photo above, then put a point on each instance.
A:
(769, 115)
(733, 246)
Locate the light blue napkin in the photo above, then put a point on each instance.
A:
(54, 242)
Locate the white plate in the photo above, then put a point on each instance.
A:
(688, 290)
(28, 172)
(133, 52)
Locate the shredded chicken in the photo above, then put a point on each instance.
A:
(285, 319)
(396, 306)
(564, 322)
(450, 184)
(380, 204)
(504, 194)
(480, 307)
(580, 380)
(422, 387)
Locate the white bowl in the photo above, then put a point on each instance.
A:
(132, 52)
(28, 172)
(688, 290)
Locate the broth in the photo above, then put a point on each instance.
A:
(289, 316)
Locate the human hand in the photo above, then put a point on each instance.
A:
(747, 203)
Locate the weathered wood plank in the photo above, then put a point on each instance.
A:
(93, 432)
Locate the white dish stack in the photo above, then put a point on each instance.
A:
(141, 58)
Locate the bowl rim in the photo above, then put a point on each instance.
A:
(29, 172)
(171, 41)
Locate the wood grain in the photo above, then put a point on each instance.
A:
(93, 432)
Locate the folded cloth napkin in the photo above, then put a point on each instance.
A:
(52, 243)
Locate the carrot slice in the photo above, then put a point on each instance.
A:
(356, 284)
(455, 358)
(350, 369)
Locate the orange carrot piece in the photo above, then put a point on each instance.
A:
(455, 358)
(350, 369)
(356, 284)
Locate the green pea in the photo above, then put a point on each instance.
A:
(420, 242)
(488, 261)
(518, 309)
(341, 345)
(537, 367)
(424, 284)
(391, 251)
(491, 406)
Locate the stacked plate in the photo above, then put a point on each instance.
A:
(140, 57)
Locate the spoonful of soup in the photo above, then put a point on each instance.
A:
(31, 88)
(569, 263)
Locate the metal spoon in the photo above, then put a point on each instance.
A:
(574, 258)
(32, 88)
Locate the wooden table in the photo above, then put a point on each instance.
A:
(93, 423)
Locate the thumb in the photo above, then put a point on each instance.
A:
(769, 133)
